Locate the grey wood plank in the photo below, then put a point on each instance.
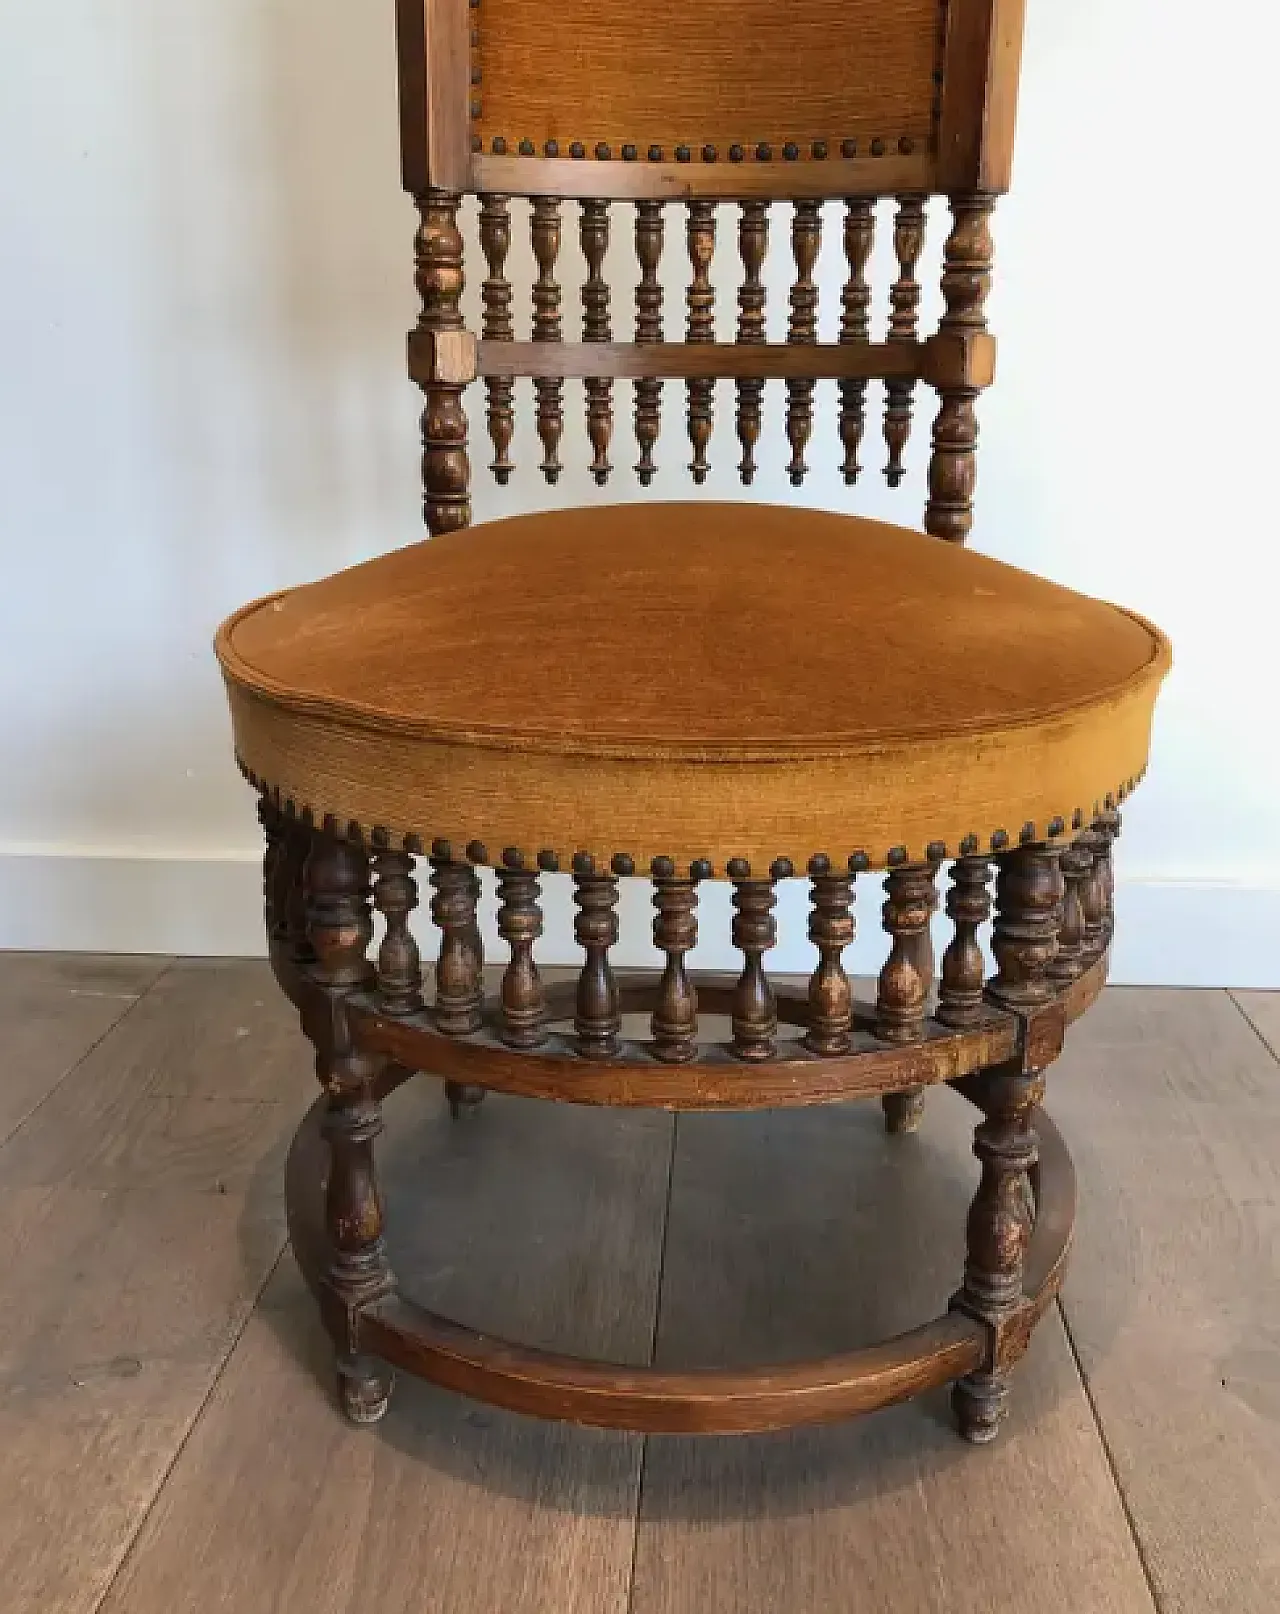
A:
(796, 1234)
(53, 1008)
(129, 1275)
(1172, 1106)
(204, 1089)
(1262, 1010)
(542, 1221)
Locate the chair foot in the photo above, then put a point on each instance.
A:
(980, 1402)
(903, 1112)
(364, 1389)
(464, 1100)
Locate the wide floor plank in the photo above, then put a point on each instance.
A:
(796, 1234)
(541, 1221)
(1262, 1010)
(133, 1260)
(53, 1008)
(1172, 1106)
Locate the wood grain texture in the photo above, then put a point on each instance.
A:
(53, 1008)
(202, 1092)
(139, 1225)
(1173, 1301)
(537, 1220)
(704, 358)
(858, 1235)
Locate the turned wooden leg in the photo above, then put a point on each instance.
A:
(903, 1112)
(340, 927)
(1029, 899)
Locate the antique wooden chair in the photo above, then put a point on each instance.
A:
(694, 692)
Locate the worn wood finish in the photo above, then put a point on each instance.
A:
(904, 324)
(395, 895)
(753, 243)
(446, 470)
(615, 1395)
(547, 328)
(802, 328)
(831, 930)
(1173, 1305)
(594, 237)
(675, 932)
(495, 242)
(855, 327)
(966, 282)
(960, 998)
(598, 1003)
(524, 1004)
(709, 360)
(55, 1008)
(542, 1222)
(700, 232)
(755, 1007)
(649, 238)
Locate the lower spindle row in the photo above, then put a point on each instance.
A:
(1052, 919)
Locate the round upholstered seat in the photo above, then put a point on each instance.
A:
(692, 681)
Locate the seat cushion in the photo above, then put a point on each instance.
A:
(692, 681)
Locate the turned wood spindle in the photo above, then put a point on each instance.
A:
(495, 296)
(966, 281)
(291, 883)
(855, 326)
(806, 240)
(1093, 903)
(1069, 961)
(755, 931)
(459, 983)
(598, 1012)
(395, 895)
(753, 243)
(701, 327)
(903, 992)
(960, 995)
(524, 1003)
(1109, 826)
(831, 930)
(594, 234)
(547, 327)
(274, 890)
(675, 931)
(446, 470)
(340, 926)
(1029, 900)
(1029, 897)
(998, 1232)
(648, 414)
(904, 325)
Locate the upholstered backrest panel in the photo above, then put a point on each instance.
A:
(698, 73)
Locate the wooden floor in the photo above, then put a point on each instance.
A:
(170, 1444)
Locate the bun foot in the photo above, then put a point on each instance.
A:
(903, 1112)
(464, 1101)
(364, 1390)
(980, 1402)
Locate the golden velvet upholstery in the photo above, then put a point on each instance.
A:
(693, 681)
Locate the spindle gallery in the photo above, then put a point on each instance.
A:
(695, 692)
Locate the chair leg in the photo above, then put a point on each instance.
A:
(1029, 900)
(998, 1232)
(339, 925)
(903, 1112)
(464, 1100)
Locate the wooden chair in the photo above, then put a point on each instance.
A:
(693, 692)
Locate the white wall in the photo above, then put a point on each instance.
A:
(204, 284)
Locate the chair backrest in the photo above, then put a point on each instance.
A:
(744, 101)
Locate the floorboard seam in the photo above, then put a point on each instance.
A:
(653, 1352)
(74, 1066)
(220, 1368)
(1157, 1602)
(1252, 1025)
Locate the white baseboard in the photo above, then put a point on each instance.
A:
(1170, 932)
